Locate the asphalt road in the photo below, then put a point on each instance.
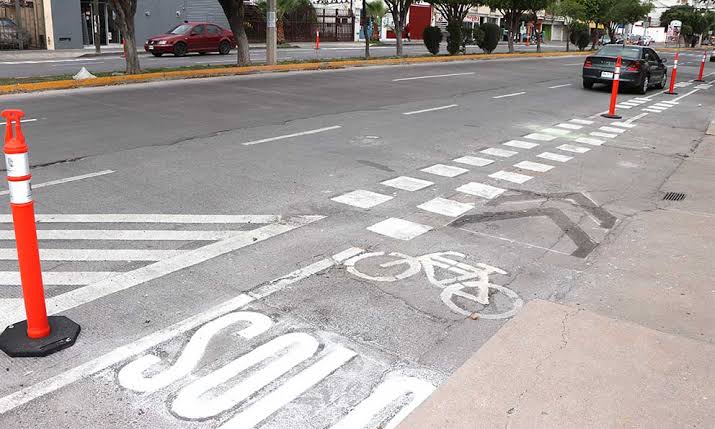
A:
(17, 67)
(291, 189)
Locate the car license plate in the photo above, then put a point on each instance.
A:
(151, 47)
(607, 75)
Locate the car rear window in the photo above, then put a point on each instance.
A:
(628, 52)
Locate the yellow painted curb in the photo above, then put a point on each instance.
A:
(232, 71)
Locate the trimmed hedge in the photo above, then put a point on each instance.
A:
(432, 37)
(492, 34)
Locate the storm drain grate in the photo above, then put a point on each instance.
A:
(674, 196)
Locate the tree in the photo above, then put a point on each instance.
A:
(125, 11)
(399, 10)
(432, 37)
(535, 6)
(573, 12)
(490, 39)
(626, 12)
(234, 11)
(454, 12)
(283, 7)
(375, 11)
(512, 11)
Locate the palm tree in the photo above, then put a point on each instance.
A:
(375, 10)
(283, 7)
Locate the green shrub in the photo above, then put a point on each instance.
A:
(454, 40)
(574, 29)
(583, 38)
(492, 34)
(432, 37)
(478, 35)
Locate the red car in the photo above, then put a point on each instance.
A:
(201, 37)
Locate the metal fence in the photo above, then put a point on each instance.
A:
(335, 25)
(25, 29)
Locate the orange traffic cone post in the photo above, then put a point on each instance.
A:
(39, 335)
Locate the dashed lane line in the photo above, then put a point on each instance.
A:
(288, 136)
(66, 180)
(431, 76)
(514, 94)
(23, 121)
(560, 86)
(433, 109)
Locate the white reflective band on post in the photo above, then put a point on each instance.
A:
(271, 19)
(20, 192)
(18, 164)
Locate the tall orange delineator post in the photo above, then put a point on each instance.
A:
(39, 335)
(317, 40)
(671, 90)
(614, 91)
(702, 68)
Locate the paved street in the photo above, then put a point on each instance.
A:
(17, 66)
(326, 249)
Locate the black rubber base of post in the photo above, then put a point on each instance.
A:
(699, 80)
(15, 342)
(606, 115)
(670, 93)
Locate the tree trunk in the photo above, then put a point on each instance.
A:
(130, 46)
(280, 32)
(538, 41)
(365, 29)
(239, 31)
(398, 35)
(510, 34)
(568, 39)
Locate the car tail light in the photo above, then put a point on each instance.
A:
(588, 63)
(634, 66)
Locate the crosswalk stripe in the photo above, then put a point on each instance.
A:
(69, 278)
(149, 218)
(96, 254)
(126, 235)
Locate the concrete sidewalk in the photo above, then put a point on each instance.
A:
(631, 344)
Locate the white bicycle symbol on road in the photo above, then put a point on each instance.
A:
(467, 277)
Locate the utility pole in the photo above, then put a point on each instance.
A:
(96, 27)
(271, 36)
(18, 18)
(363, 21)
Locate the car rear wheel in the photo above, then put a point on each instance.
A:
(661, 85)
(157, 54)
(179, 49)
(643, 87)
(588, 84)
(224, 48)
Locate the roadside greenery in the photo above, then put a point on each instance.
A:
(432, 37)
(492, 34)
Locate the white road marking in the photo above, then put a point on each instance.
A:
(659, 108)
(445, 170)
(572, 148)
(66, 180)
(623, 124)
(399, 229)
(671, 103)
(291, 389)
(623, 106)
(96, 254)
(361, 198)
(446, 207)
(663, 105)
(686, 95)
(635, 118)
(652, 110)
(430, 110)
(122, 353)
(581, 121)
(432, 76)
(132, 375)
(570, 126)
(474, 160)
(388, 392)
(642, 99)
(151, 218)
(533, 166)
(540, 137)
(520, 144)
(612, 130)
(605, 135)
(502, 153)
(22, 120)
(514, 94)
(591, 141)
(407, 183)
(509, 240)
(555, 157)
(555, 131)
(560, 86)
(59, 278)
(703, 86)
(288, 136)
(510, 176)
(56, 304)
(481, 190)
(126, 235)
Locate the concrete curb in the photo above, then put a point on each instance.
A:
(233, 71)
